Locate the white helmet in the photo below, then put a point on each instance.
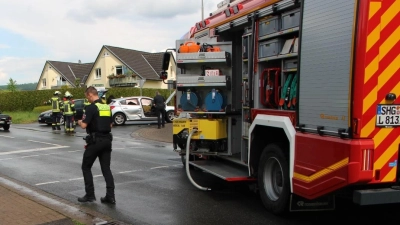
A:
(67, 94)
(57, 93)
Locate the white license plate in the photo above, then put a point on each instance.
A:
(388, 116)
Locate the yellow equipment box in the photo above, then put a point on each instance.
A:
(208, 129)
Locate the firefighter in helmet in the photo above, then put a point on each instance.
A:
(69, 112)
(56, 106)
(86, 103)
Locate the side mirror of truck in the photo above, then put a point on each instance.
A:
(163, 75)
(165, 62)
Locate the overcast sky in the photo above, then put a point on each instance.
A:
(32, 32)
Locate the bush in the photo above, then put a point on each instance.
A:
(28, 100)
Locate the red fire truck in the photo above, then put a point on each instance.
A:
(299, 97)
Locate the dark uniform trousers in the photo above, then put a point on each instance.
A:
(160, 118)
(102, 149)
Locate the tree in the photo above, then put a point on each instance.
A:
(12, 85)
(77, 82)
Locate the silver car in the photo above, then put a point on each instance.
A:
(137, 108)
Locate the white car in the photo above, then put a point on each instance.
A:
(137, 108)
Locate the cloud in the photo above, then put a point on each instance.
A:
(23, 70)
(135, 9)
(4, 46)
(72, 30)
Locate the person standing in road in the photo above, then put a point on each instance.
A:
(159, 104)
(69, 111)
(98, 123)
(56, 105)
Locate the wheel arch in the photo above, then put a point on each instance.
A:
(267, 129)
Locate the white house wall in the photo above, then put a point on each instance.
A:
(51, 76)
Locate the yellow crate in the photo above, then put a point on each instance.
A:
(208, 129)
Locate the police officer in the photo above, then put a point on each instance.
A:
(98, 122)
(159, 104)
(69, 112)
(56, 106)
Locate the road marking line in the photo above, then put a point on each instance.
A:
(80, 178)
(29, 156)
(6, 159)
(32, 150)
(6, 136)
(97, 175)
(51, 182)
(75, 151)
(158, 167)
(118, 148)
(44, 143)
(130, 171)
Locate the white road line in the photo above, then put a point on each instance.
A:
(29, 156)
(6, 136)
(97, 175)
(32, 150)
(6, 159)
(130, 171)
(158, 167)
(44, 143)
(80, 178)
(51, 182)
(75, 151)
(118, 148)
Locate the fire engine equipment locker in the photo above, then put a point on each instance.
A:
(269, 48)
(268, 26)
(290, 64)
(290, 19)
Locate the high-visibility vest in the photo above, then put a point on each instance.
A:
(55, 104)
(69, 108)
(103, 121)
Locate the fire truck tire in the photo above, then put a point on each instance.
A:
(273, 179)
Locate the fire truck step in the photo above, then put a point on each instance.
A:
(376, 196)
(224, 169)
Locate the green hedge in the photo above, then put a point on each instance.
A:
(28, 100)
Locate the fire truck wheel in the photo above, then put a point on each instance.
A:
(273, 179)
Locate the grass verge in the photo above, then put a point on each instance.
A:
(24, 117)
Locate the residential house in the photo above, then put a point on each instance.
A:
(56, 74)
(121, 67)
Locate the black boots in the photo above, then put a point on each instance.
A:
(87, 198)
(107, 199)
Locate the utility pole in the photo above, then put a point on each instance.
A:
(202, 10)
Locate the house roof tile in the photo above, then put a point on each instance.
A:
(138, 61)
(71, 71)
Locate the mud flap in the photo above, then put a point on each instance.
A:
(323, 203)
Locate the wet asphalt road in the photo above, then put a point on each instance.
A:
(151, 184)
